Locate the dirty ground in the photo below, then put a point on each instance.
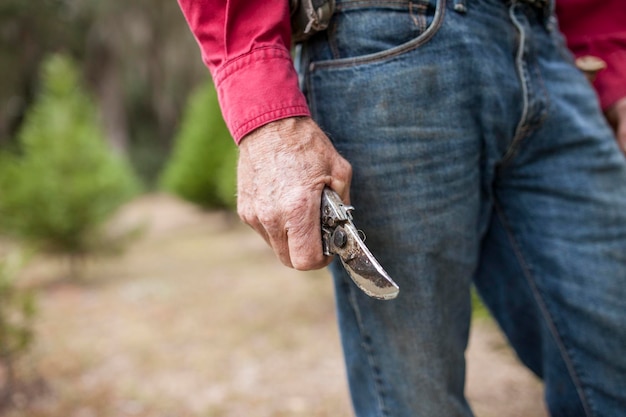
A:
(197, 318)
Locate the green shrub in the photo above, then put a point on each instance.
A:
(479, 310)
(65, 182)
(202, 168)
(16, 323)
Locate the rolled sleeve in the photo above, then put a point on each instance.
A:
(245, 44)
(258, 88)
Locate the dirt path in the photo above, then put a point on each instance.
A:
(187, 323)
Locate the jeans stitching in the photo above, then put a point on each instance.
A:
(332, 40)
(417, 12)
(547, 316)
(390, 53)
(524, 126)
(522, 129)
(369, 350)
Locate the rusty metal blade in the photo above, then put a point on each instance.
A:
(365, 270)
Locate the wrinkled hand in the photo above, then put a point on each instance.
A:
(283, 168)
(616, 115)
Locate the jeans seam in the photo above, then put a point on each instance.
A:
(521, 130)
(369, 351)
(547, 316)
(332, 43)
(417, 12)
(524, 127)
(389, 54)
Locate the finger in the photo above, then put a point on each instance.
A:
(275, 238)
(340, 181)
(343, 189)
(305, 247)
(257, 225)
(304, 236)
(278, 242)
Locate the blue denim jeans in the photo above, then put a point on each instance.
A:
(479, 154)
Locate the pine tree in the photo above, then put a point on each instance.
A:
(202, 168)
(65, 182)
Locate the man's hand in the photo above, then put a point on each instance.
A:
(616, 115)
(283, 168)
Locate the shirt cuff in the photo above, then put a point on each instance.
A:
(257, 88)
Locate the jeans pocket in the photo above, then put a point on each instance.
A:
(363, 31)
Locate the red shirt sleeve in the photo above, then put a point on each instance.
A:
(246, 46)
(598, 29)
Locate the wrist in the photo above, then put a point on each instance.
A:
(280, 130)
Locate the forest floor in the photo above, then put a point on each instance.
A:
(198, 319)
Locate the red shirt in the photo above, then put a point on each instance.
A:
(246, 46)
(598, 28)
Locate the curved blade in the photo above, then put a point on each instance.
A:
(364, 269)
(340, 237)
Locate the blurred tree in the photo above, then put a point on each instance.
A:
(202, 167)
(27, 31)
(139, 58)
(143, 62)
(66, 182)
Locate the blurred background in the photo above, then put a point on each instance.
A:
(137, 61)
(127, 285)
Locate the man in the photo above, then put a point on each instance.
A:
(472, 150)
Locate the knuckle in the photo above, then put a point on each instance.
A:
(247, 216)
(244, 216)
(269, 219)
(295, 208)
(347, 169)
